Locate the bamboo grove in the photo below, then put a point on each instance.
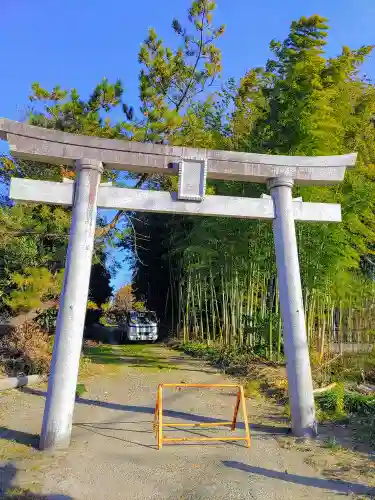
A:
(218, 276)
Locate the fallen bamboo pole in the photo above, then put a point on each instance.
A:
(324, 389)
(14, 382)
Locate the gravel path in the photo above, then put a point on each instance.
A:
(113, 453)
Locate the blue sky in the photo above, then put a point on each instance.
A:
(75, 43)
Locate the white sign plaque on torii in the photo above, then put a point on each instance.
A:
(90, 155)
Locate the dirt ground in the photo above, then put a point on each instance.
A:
(113, 453)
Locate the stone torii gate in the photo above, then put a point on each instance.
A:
(90, 155)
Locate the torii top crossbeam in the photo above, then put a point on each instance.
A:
(51, 146)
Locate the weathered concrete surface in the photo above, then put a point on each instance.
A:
(300, 384)
(58, 413)
(61, 193)
(113, 455)
(52, 146)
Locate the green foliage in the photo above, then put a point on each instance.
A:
(332, 402)
(305, 104)
(32, 238)
(103, 321)
(47, 319)
(338, 403)
(335, 404)
(66, 110)
(358, 403)
(80, 390)
(33, 287)
(197, 350)
(170, 79)
(139, 306)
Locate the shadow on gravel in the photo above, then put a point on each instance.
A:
(21, 437)
(266, 429)
(343, 487)
(102, 429)
(9, 492)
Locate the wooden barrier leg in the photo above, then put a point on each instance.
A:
(244, 413)
(160, 417)
(235, 414)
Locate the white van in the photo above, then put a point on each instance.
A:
(141, 325)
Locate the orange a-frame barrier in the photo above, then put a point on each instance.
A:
(159, 424)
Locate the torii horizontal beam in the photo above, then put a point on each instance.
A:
(53, 146)
(59, 193)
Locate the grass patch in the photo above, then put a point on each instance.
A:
(15, 444)
(342, 465)
(332, 444)
(252, 389)
(12, 450)
(134, 355)
(80, 390)
(21, 494)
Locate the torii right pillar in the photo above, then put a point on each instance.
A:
(300, 386)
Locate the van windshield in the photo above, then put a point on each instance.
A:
(142, 317)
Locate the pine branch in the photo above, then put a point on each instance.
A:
(103, 231)
(184, 95)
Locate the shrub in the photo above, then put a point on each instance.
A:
(25, 349)
(332, 402)
(47, 319)
(232, 358)
(358, 403)
(338, 403)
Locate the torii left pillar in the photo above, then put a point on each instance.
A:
(58, 412)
